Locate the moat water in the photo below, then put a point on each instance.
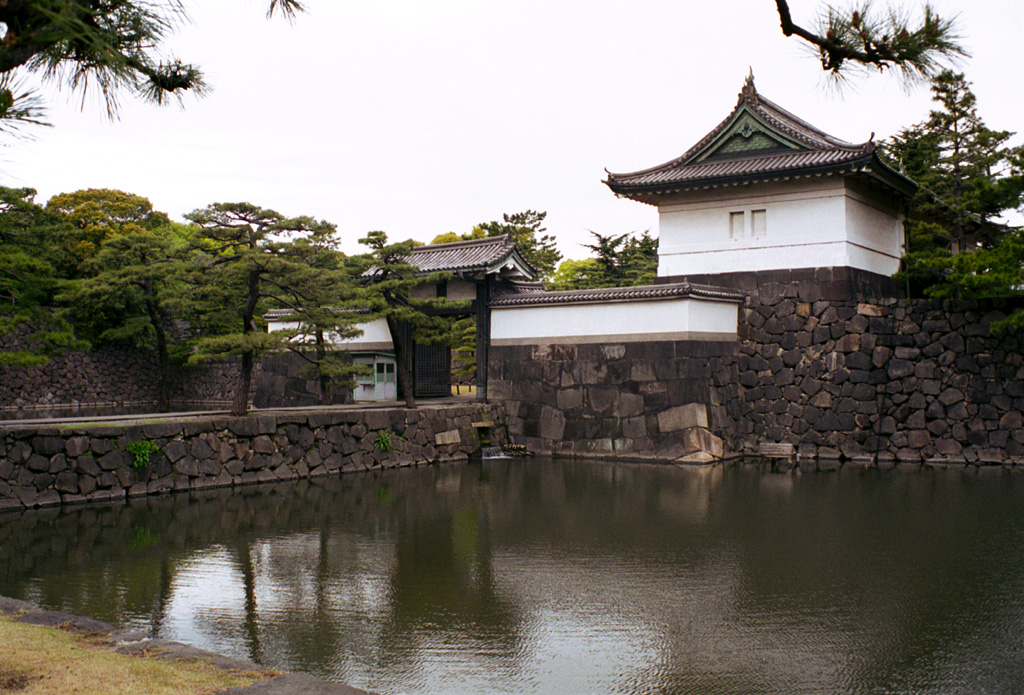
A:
(541, 576)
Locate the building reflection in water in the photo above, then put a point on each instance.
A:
(555, 576)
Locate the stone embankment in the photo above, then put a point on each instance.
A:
(65, 464)
(876, 379)
(637, 400)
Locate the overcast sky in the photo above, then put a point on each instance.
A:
(419, 117)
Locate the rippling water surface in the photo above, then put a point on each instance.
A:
(545, 576)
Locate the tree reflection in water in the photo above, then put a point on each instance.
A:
(553, 576)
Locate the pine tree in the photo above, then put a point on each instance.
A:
(968, 179)
(112, 47)
(253, 256)
(859, 39)
(390, 280)
(621, 260)
(527, 232)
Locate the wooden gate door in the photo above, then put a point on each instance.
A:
(432, 370)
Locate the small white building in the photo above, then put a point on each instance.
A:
(476, 270)
(766, 190)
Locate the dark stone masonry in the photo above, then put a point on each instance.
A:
(45, 466)
(827, 362)
(114, 377)
(880, 379)
(636, 399)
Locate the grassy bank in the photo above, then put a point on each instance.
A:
(37, 660)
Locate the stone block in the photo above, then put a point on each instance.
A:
(628, 405)
(263, 445)
(898, 369)
(47, 446)
(186, 466)
(76, 446)
(567, 399)
(37, 463)
(951, 396)
(175, 449)
(683, 417)
(448, 437)
(111, 460)
(66, 482)
(107, 480)
(243, 426)
(700, 439)
(552, 423)
(199, 449)
(601, 399)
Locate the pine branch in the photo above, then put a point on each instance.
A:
(861, 39)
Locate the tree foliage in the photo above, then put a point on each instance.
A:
(133, 294)
(32, 327)
(390, 280)
(97, 214)
(620, 260)
(969, 178)
(861, 39)
(248, 258)
(527, 232)
(109, 46)
(313, 282)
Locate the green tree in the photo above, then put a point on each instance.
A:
(527, 232)
(859, 39)
(463, 340)
(97, 214)
(621, 260)
(134, 292)
(968, 176)
(313, 281)
(244, 261)
(390, 279)
(575, 274)
(112, 46)
(32, 326)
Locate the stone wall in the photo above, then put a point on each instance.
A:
(626, 399)
(110, 377)
(877, 379)
(284, 383)
(827, 360)
(72, 464)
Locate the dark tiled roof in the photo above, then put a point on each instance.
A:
(271, 314)
(478, 255)
(619, 294)
(801, 150)
(518, 288)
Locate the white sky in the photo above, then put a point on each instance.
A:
(421, 117)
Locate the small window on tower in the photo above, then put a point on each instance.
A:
(758, 222)
(736, 220)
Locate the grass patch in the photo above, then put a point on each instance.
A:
(46, 661)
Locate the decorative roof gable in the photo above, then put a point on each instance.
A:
(476, 258)
(489, 256)
(758, 141)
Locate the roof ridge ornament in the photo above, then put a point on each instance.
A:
(749, 91)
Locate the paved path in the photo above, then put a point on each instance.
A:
(190, 414)
(135, 644)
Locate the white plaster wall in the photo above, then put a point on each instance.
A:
(876, 233)
(665, 319)
(376, 335)
(810, 223)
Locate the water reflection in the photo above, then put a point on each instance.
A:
(562, 577)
